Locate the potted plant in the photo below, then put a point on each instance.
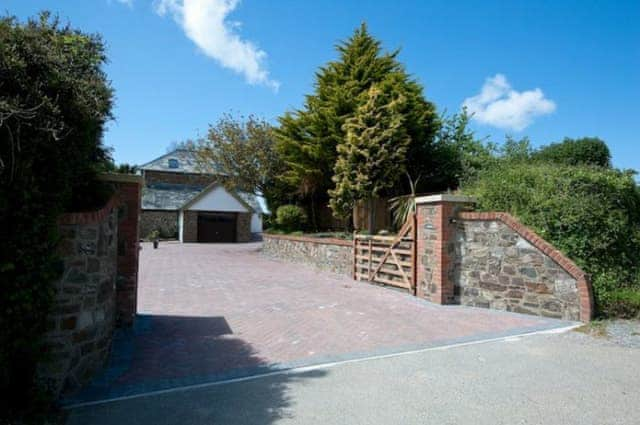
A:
(153, 236)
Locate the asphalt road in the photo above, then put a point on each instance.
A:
(542, 379)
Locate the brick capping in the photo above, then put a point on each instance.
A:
(121, 178)
(89, 217)
(583, 279)
(323, 241)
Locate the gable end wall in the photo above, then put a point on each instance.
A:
(497, 268)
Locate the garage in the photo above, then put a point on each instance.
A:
(215, 215)
(217, 227)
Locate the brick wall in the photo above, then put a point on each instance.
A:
(435, 247)
(128, 249)
(334, 255)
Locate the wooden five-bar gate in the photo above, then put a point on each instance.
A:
(389, 260)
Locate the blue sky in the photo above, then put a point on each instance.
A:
(544, 69)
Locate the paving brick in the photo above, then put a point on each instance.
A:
(217, 307)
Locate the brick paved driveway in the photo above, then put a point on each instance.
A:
(210, 312)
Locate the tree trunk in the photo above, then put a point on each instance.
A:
(313, 214)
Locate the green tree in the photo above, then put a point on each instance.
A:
(123, 168)
(308, 138)
(54, 102)
(516, 150)
(373, 155)
(243, 150)
(126, 168)
(459, 155)
(585, 150)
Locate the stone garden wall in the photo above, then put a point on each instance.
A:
(497, 268)
(84, 314)
(473, 258)
(98, 288)
(333, 255)
(489, 259)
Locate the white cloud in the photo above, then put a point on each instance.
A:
(205, 23)
(501, 106)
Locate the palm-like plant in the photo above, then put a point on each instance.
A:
(403, 206)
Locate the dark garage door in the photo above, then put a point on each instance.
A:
(216, 227)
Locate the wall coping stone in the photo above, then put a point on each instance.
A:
(322, 241)
(121, 178)
(583, 280)
(444, 197)
(89, 217)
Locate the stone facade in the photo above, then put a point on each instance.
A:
(334, 255)
(428, 220)
(84, 313)
(243, 227)
(164, 221)
(497, 268)
(190, 226)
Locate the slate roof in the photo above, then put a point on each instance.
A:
(171, 197)
(187, 163)
(258, 203)
(168, 196)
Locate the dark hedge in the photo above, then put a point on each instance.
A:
(54, 102)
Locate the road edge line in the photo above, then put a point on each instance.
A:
(326, 365)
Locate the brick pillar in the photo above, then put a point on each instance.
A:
(436, 245)
(128, 191)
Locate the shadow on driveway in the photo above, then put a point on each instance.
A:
(168, 354)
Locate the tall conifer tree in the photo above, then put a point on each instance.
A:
(372, 157)
(308, 138)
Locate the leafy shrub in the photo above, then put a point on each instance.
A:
(591, 214)
(274, 231)
(290, 217)
(153, 235)
(54, 102)
(623, 303)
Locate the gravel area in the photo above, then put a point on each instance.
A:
(625, 333)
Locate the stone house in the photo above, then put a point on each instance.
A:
(182, 201)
